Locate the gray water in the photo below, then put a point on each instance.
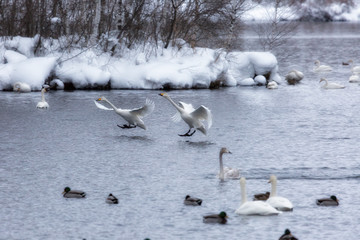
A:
(305, 135)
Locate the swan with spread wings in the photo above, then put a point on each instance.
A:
(132, 116)
(192, 117)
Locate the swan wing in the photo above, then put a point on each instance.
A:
(256, 208)
(187, 107)
(203, 113)
(280, 203)
(102, 106)
(145, 110)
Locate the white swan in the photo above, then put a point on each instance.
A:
(354, 78)
(280, 203)
(354, 69)
(272, 85)
(132, 116)
(192, 117)
(330, 85)
(322, 68)
(253, 207)
(21, 87)
(227, 172)
(294, 77)
(43, 103)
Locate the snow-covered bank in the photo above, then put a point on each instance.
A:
(175, 68)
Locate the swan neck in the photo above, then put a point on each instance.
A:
(221, 167)
(43, 95)
(243, 192)
(273, 189)
(112, 105)
(174, 104)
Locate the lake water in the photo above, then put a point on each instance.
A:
(305, 135)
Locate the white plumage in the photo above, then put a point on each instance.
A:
(321, 68)
(294, 77)
(330, 85)
(227, 172)
(280, 203)
(132, 116)
(192, 117)
(43, 104)
(21, 87)
(253, 207)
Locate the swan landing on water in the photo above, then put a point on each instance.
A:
(132, 116)
(193, 117)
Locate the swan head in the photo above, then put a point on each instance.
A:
(317, 62)
(100, 99)
(322, 79)
(163, 94)
(242, 181)
(272, 179)
(224, 150)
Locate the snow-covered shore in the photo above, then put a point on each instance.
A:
(178, 67)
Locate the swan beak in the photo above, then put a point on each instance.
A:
(230, 152)
(161, 94)
(99, 99)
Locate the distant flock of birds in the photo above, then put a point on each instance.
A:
(263, 204)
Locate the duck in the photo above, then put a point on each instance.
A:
(294, 76)
(192, 201)
(330, 85)
(280, 203)
(272, 85)
(132, 116)
(216, 218)
(227, 172)
(253, 207)
(43, 104)
(321, 68)
(332, 201)
(192, 117)
(68, 193)
(21, 87)
(287, 235)
(261, 196)
(111, 199)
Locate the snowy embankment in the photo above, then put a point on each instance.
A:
(175, 68)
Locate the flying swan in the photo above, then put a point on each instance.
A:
(321, 68)
(280, 203)
(227, 172)
(192, 117)
(253, 207)
(132, 116)
(330, 85)
(43, 104)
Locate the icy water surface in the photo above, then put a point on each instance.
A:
(305, 135)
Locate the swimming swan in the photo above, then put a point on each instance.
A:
(192, 117)
(43, 104)
(227, 172)
(332, 201)
(294, 77)
(322, 68)
(330, 85)
(280, 203)
(253, 207)
(354, 78)
(21, 87)
(68, 193)
(132, 116)
(216, 218)
(354, 69)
